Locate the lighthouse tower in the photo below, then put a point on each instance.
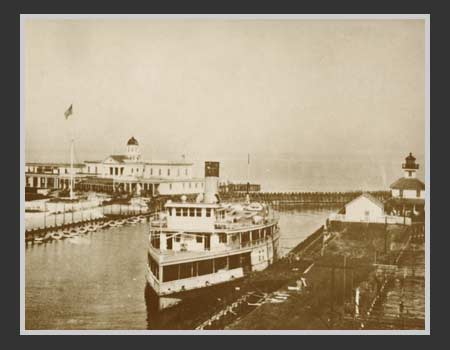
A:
(410, 167)
(133, 152)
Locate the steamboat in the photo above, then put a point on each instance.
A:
(199, 244)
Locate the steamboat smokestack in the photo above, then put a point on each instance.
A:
(211, 181)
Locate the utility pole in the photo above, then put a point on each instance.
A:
(345, 270)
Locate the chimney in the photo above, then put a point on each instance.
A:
(211, 181)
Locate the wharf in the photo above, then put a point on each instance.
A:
(332, 271)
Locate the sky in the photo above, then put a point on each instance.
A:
(225, 88)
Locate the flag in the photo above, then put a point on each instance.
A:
(69, 112)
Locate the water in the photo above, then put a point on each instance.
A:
(97, 281)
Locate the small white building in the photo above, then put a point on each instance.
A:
(364, 208)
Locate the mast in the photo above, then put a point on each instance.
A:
(247, 196)
(71, 168)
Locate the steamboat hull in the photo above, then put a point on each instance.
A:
(256, 257)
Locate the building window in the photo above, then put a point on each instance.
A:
(184, 184)
(208, 212)
(89, 169)
(185, 211)
(96, 170)
(185, 171)
(177, 238)
(170, 186)
(110, 171)
(132, 170)
(409, 173)
(168, 172)
(178, 211)
(199, 239)
(160, 172)
(401, 193)
(137, 170)
(418, 193)
(151, 171)
(198, 211)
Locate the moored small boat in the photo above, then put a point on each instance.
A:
(111, 223)
(92, 228)
(120, 222)
(57, 235)
(39, 240)
(82, 230)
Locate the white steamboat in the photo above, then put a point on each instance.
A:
(203, 243)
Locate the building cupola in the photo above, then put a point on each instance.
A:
(410, 167)
(133, 152)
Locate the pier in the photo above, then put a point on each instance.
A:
(331, 280)
(299, 198)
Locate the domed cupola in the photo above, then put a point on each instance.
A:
(133, 152)
(132, 142)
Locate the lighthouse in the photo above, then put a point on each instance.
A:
(408, 192)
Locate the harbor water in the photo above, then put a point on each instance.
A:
(97, 280)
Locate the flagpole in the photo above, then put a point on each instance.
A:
(71, 168)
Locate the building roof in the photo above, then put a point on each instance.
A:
(62, 165)
(118, 157)
(410, 157)
(132, 142)
(408, 184)
(374, 200)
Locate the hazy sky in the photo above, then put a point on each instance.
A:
(218, 88)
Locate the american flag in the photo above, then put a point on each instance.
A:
(69, 112)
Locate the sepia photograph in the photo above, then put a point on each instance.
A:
(225, 174)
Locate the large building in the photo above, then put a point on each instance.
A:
(126, 173)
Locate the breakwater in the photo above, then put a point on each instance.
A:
(294, 198)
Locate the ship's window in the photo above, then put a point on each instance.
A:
(185, 211)
(186, 270)
(191, 211)
(198, 212)
(178, 211)
(220, 264)
(205, 267)
(199, 239)
(170, 273)
(234, 261)
(208, 212)
(222, 238)
(418, 193)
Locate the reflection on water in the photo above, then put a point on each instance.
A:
(97, 281)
